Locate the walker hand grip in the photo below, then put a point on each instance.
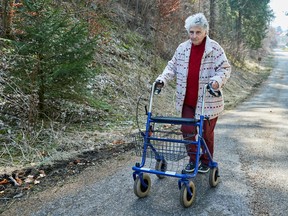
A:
(212, 91)
(158, 86)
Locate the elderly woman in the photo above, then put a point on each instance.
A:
(196, 62)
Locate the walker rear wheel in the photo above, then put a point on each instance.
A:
(140, 189)
(186, 199)
(161, 165)
(214, 177)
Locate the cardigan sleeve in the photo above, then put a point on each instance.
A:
(222, 67)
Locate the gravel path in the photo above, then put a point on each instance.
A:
(260, 129)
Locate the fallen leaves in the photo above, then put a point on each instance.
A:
(14, 185)
(20, 180)
(33, 180)
(30, 176)
(118, 142)
(4, 181)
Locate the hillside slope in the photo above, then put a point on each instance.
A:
(126, 67)
(84, 133)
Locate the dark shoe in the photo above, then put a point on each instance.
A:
(203, 168)
(191, 167)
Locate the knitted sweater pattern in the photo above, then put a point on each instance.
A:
(214, 67)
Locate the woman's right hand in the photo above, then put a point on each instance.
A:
(158, 86)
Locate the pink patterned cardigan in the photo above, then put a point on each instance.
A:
(214, 67)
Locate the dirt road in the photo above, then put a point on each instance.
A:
(252, 152)
(260, 129)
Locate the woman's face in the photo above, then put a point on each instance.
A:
(197, 35)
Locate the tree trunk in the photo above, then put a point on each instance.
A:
(239, 33)
(41, 89)
(136, 13)
(212, 32)
(5, 17)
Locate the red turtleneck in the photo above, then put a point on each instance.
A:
(193, 74)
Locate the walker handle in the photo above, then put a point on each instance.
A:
(158, 86)
(212, 91)
(154, 90)
(209, 88)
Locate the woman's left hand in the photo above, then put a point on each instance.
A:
(215, 85)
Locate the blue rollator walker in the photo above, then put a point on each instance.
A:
(162, 148)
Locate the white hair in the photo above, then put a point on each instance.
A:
(197, 20)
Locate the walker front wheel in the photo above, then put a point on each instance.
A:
(186, 199)
(161, 165)
(142, 190)
(214, 177)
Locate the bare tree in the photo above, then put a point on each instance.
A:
(212, 18)
(5, 12)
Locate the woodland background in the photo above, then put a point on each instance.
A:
(71, 72)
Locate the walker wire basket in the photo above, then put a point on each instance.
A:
(167, 148)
